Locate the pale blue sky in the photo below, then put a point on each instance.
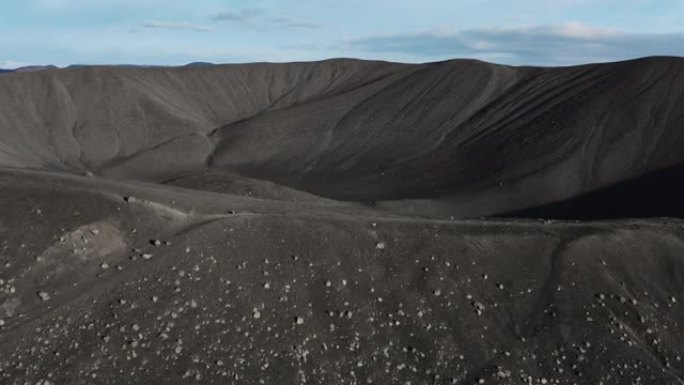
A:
(174, 32)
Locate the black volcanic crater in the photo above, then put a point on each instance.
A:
(489, 138)
(343, 222)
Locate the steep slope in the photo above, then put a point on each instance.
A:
(98, 117)
(523, 136)
(484, 139)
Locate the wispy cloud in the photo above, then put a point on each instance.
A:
(293, 22)
(75, 4)
(558, 44)
(177, 25)
(577, 30)
(243, 15)
(259, 19)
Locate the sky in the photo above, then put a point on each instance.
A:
(174, 32)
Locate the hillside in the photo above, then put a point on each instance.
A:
(484, 136)
(343, 222)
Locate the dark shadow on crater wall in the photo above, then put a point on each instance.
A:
(657, 194)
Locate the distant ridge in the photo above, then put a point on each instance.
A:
(199, 64)
(35, 68)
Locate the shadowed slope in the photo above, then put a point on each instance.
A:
(658, 194)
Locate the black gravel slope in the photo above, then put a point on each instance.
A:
(314, 223)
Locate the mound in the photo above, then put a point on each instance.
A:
(138, 280)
